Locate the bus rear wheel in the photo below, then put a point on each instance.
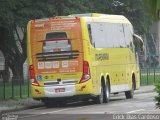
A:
(100, 98)
(107, 93)
(130, 94)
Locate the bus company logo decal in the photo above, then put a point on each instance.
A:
(101, 56)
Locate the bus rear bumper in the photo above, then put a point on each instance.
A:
(59, 91)
(53, 91)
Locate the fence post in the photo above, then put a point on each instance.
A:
(154, 72)
(140, 77)
(28, 84)
(12, 88)
(4, 89)
(147, 75)
(20, 88)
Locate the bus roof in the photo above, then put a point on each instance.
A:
(99, 16)
(96, 15)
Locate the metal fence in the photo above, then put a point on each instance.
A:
(149, 69)
(150, 76)
(14, 89)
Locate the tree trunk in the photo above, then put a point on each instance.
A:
(15, 62)
(6, 73)
(14, 58)
(60, 7)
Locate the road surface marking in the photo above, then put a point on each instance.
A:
(136, 111)
(27, 116)
(43, 113)
(54, 111)
(62, 110)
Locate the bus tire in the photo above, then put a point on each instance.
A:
(99, 99)
(107, 92)
(129, 94)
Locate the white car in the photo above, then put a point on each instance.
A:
(56, 42)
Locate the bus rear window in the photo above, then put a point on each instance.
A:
(56, 35)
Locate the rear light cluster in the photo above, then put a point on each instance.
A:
(86, 72)
(32, 76)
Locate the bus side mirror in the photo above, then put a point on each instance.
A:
(138, 43)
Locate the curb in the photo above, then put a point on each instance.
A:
(17, 105)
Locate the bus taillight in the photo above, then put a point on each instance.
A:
(86, 72)
(32, 76)
(31, 70)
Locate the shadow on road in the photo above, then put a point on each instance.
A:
(72, 104)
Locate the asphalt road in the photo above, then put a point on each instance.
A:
(140, 107)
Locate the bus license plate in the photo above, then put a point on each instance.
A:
(58, 90)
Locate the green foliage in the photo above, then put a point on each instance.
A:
(138, 15)
(154, 6)
(157, 98)
(20, 11)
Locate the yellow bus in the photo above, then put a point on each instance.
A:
(81, 56)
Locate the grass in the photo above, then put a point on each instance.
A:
(9, 91)
(150, 76)
(150, 80)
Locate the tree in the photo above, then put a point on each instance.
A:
(154, 8)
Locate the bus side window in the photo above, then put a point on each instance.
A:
(90, 35)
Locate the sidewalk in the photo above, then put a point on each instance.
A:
(145, 89)
(11, 105)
